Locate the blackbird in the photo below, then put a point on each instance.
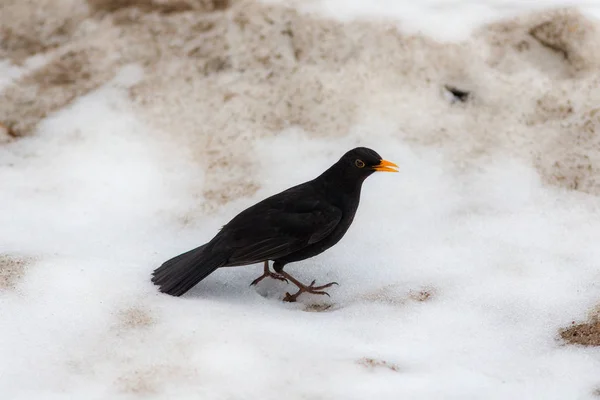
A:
(293, 225)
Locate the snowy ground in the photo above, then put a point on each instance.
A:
(455, 278)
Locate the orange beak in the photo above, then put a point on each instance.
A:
(386, 166)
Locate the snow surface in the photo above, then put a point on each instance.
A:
(453, 281)
(442, 19)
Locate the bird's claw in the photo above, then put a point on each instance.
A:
(279, 278)
(290, 298)
(260, 278)
(322, 286)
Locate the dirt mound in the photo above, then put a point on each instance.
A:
(220, 74)
(586, 334)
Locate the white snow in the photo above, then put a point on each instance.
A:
(95, 199)
(444, 20)
(8, 72)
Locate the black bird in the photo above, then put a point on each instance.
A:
(293, 225)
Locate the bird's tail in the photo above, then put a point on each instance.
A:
(179, 274)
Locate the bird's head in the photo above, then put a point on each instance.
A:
(363, 161)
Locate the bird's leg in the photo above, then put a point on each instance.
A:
(303, 288)
(268, 273)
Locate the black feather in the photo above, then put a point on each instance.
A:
(179, 274)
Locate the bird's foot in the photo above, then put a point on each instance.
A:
(269, 274)
(308, 289)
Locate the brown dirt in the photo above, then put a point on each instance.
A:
(319, 307)
(585, 334)
(6, 133)
(160, 6)
(421, 295)
(12, 270)
(61, 80)
(135, 318)
(110, 6)
(372, 363)
(390, 295)
(566, 33)
(147, 381)
(29, 27)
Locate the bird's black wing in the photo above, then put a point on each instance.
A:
(278, 228)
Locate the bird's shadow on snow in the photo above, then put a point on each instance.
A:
(232, 285)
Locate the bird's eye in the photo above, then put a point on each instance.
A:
(359, 163)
